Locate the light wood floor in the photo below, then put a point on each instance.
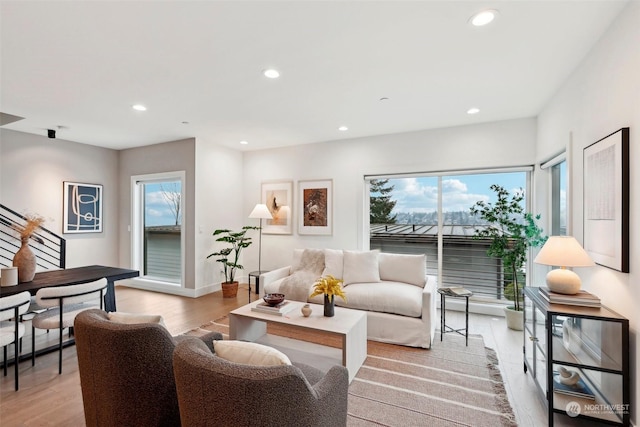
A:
(48, 399)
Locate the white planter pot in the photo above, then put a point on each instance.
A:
(515, 319)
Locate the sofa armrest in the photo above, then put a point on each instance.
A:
(429, 310)
(272, 276)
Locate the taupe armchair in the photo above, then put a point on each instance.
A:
(215, 392)
(126, 371)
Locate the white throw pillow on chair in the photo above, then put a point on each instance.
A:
(249, 353)
(134, 318)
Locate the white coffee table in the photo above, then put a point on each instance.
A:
(351, 325)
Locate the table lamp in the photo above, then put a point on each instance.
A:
(261, 211)
(563, 251)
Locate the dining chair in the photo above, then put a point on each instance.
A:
(11, 328)
(63, 304)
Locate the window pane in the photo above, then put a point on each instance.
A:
(465, 261)
(559, 199)
(162, 231)
(404, 219)
(412, 224)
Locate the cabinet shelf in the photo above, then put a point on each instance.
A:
(592, 343)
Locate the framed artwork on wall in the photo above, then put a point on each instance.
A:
(278, 196)
(315, 207)
(82, 208)
(606, 200)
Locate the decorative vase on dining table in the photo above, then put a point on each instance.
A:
(329, 304)
(25, 260)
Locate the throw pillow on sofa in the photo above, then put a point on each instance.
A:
(403, 268)
(333, 263)
(361, 267)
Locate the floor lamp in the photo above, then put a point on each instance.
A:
(261, 211)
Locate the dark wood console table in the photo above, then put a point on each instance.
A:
(75, 276)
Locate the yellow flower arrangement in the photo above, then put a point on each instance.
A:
(330, 286)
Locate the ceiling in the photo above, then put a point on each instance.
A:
(78, 67)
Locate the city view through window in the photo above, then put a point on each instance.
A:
(404, 219)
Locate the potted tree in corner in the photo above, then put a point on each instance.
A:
(511, 232)
(230, 256)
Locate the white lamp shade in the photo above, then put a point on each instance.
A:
(563, 251)
(261, 211)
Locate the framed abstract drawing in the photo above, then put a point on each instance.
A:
(278, 196)
(315, 207)
(82, 208)
(606, 200)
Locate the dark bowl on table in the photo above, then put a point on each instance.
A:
(273, 299)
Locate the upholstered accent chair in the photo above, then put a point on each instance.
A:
(11, 328)
(126, 371)
(215, 392)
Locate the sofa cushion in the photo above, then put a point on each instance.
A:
(385, 297)
(333, 263)
(404, 268)
(360, 267)
(249, 353)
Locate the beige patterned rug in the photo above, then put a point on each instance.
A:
(448, 385)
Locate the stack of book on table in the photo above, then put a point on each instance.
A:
(582, 298)
(279, 310)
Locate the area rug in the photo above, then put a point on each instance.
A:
(449, 385)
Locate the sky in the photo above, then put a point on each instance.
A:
(156, 208)
(459, 193)
(412, 194)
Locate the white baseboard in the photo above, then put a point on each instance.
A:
(489, 309)
(156, 286)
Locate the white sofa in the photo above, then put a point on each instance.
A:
(394, 289)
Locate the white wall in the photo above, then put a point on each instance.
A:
(506, 143)
(32, 170)
(602, 96)
(218, 204)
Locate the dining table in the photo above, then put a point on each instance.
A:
(75, 276)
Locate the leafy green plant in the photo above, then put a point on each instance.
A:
(511, 231)
(230, 256)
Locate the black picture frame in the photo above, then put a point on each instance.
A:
(606, 200)
(82, 208)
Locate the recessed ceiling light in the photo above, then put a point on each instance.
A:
(483, 18)
(473, 110)
(343, 128)
(271, 73)
(244, 142)
(139, 107)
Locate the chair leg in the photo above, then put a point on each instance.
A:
(16, 362)
(33, 346)
(60, 355)
(5, 360)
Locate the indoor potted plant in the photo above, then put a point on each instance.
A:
(511, 232)
(230, 256)
(330, 287)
